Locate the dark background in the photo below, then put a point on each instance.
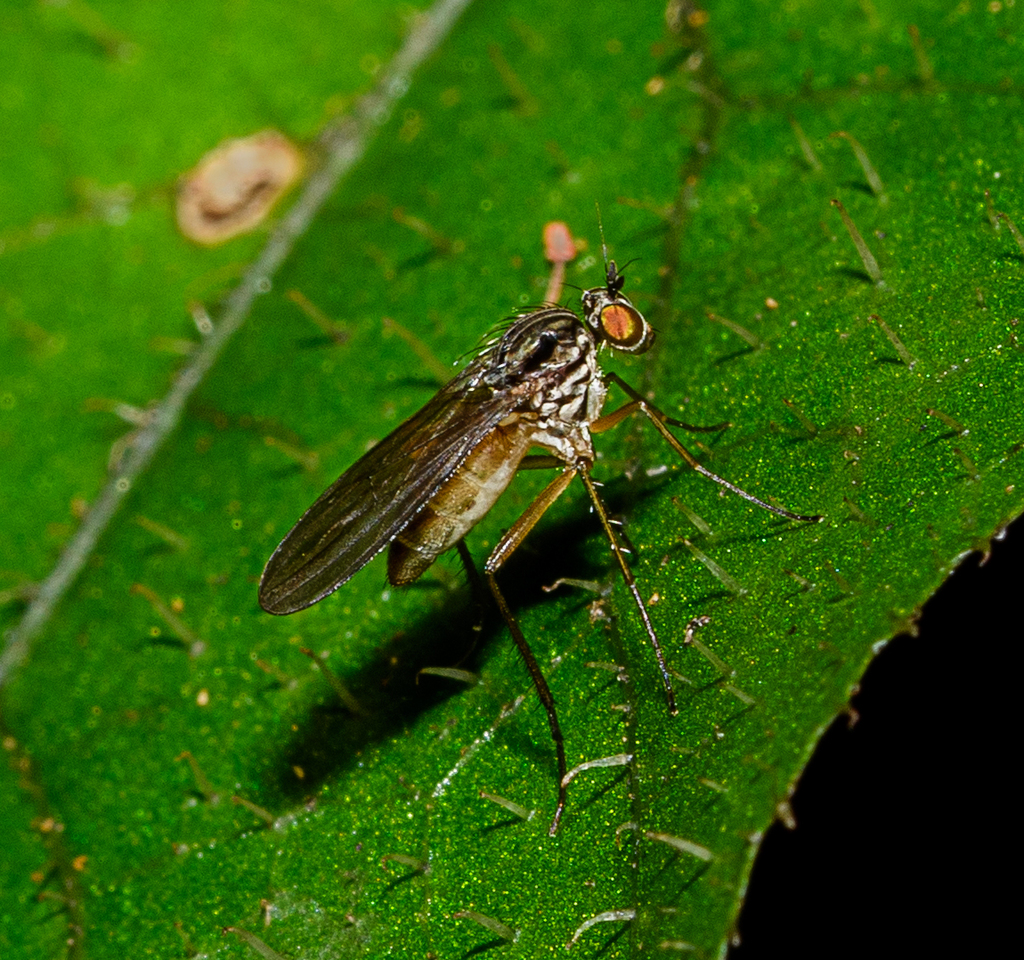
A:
(907, 836)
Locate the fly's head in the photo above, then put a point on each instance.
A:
(612, 318)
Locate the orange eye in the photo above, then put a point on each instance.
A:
(622, 324)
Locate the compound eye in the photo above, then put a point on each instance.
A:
(624, 327)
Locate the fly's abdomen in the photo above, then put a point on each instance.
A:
(460, 503)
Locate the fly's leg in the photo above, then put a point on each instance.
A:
(540, 461)
(508, 543)
(616, 417)
(627, 575)
(660, 420)
(531, 462)
(476, 586)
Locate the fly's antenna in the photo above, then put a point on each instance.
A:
(612, 277)
(600, 227)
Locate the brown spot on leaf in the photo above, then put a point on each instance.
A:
(234, 186)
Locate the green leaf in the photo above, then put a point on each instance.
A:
(380, 843)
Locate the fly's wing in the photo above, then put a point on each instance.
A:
(370, 503)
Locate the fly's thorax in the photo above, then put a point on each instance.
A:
(547, 363)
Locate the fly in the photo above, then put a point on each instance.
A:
(426, 485)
